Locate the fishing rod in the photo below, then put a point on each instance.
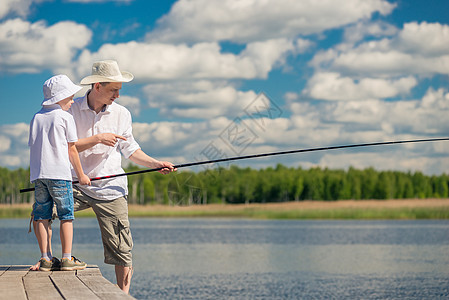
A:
(259, 155)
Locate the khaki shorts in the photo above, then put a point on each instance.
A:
(112, 216)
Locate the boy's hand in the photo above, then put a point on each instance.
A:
(84, 180)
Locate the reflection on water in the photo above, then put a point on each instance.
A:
(241, 259)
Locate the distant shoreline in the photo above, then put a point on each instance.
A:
(400, 209)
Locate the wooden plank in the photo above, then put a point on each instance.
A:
(39, 286)
(11, 287)
(70, 286)
(3, 269)
(103, 288)
(16, 270)
(89, 270)
(19, 283)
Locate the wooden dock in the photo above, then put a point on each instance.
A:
(18, 282)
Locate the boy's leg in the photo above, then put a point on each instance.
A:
(42, 210)
(66, 234)
(42, 236)
(61, 192)
(36, 266)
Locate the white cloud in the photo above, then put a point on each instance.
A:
(204, 60)
(5, 143)
(357, 32)
(419, 49)
(19, 7)
(256, 20)
(320, 124)
(131, 103)
(362, 119)
(427, 39)
(395, 158)
(198, 99)
(14, 151)
(32, 47)
(421, 117)
(333, 86)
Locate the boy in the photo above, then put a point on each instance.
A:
(52, 150)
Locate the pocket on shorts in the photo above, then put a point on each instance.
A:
(125, 240)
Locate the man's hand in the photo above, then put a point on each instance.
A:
(109, 139)
(167, 167)
(139, 157)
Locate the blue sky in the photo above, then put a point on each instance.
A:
(221, 78)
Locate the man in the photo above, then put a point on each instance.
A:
(104, 134)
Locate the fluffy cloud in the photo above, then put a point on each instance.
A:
(5, 143)
(396, 158)
(248, 21)
(14, 151)
(32, 47)
(198, 99)
(203, 60)
(405, 118)
(333, 86)
(427, 39)
(131, 103)
(18, 7)
(417, 49)
(357, 32)
(317, 125)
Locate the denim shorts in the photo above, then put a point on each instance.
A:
(50, 191)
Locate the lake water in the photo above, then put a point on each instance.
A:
(264, 259)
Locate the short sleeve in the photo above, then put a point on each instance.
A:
(71, 129)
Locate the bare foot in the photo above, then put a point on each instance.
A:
(35, 267)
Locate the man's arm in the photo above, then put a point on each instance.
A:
(139, 157)
(108, 139)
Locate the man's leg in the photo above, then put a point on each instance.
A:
(112, 216)
(123, 276)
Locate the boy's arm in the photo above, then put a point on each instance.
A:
(76, 163)
(108, 139)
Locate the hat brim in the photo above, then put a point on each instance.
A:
(61, 96)
(124, 77)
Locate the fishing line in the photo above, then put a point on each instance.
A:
(260, 155)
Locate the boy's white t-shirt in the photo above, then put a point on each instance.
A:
(51, 129)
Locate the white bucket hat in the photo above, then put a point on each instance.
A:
(58, 88)
(106, 71)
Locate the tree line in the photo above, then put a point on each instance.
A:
(247, 185)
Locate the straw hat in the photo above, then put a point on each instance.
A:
(58, 88)
(107, 71)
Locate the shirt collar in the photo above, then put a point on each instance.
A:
(51, 107)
